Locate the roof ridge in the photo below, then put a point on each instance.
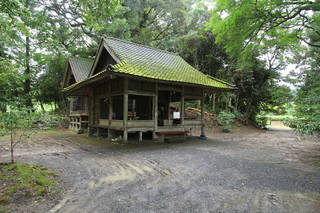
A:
(77, 57)
(142, 45)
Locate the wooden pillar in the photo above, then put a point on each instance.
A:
(110, 110)
(91, 108)
(202, 114)
(169, 113)
(140, 136)
(125, 109)
(80, 123)
(182, 106)
(90, 111)
(155, 111)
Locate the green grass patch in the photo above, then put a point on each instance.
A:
(278, 117)
(20, 181)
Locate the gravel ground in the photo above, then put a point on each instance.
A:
(244, 171)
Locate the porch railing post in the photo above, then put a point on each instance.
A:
(155, 111)
(125, 109)
(202, 114)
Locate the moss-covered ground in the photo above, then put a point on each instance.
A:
(23, 182)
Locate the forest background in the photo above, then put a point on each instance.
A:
(252, 44)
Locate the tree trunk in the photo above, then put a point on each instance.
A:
(11, 143)
(42, 107)
(3, 108)
(237, 101)
(227, 102)
(27, 71)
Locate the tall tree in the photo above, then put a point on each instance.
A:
(307, 104)
(48, 87)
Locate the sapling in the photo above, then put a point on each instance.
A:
(18, 125)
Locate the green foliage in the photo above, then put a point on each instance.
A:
(241, 43)
(200, 50)
(18, 124)
(254, 84)
(279, 117)
(263, 121)
(155, 21)
(282, 97)
(226, 119)
(10, 84)
(257, 35)
(243, 25)
(16, 120)
(307, 103)
(48, 83)
(304, 126)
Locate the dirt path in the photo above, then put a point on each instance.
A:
(246, 171)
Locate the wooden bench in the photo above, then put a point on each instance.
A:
(165, 134)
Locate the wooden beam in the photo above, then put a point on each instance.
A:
(202, 114)
(142, 93)
(125, 109)
(155, 111)
(192, 97)
(169, 87)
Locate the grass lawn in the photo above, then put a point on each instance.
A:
(279, 117)
(24, 182)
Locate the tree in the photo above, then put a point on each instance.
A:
(307, 101)
(76, 26)
(307, 104)
(243, 25)
(18, 124)
(10, 84)
(281, 98)
(200, 50)
(48, 87)
(153, 21)
(15, 119)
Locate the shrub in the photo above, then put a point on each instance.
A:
(226, 119)
(263, 121)
(304, 126)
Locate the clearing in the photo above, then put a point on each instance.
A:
(247, 170)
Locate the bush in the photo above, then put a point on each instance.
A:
(263, 121)
(45, 121)
(226, 119)
(304, 126)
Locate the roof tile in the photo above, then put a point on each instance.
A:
(80, 67)
(143, 61)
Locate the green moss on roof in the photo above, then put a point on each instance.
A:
(139, 60)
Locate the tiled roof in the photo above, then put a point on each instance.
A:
(143, 61)
(80, 67)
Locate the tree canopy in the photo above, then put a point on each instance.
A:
(243, 25)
